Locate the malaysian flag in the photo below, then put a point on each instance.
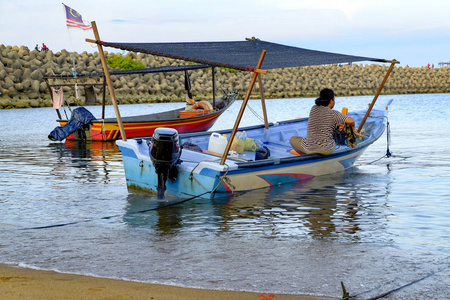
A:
(73, 19)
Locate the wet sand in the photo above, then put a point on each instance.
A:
(27, 284)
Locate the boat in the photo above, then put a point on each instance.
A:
(82, 125)
(183, 165)
(200, 172)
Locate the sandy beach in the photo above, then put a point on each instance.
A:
(27, 284)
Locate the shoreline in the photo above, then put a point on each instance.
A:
(25, 283)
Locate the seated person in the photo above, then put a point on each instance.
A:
(323, 120)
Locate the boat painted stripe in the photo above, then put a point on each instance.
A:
(127, 152)
(111, 133)
(143, 125)
(152, 126)
(275, 179)
(296, 163)
(208, 172)
(347, 163)
(226, 187)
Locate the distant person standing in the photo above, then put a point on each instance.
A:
(44, 47)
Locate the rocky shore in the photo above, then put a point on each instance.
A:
(22, 83)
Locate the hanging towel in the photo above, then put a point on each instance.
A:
(77, 92)
(58, 97)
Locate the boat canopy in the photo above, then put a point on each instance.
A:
(240, 55)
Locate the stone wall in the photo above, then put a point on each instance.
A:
(22, 84)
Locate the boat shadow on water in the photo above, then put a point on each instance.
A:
(93, 161)
(329, 206)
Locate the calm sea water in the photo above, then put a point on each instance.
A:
(382, 225)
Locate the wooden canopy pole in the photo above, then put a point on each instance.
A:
(263, 102)
(393, 62)
(108, 80)
(213, 69)
(244, 104)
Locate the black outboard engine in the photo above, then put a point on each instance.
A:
(165, 151)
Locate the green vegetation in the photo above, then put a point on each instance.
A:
(230, 70)
(124, 63)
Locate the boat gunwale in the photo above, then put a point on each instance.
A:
(306, 158)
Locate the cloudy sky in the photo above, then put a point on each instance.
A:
(415, 32)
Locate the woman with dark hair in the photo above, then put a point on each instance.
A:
(323, 121)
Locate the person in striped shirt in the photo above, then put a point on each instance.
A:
(323, 120)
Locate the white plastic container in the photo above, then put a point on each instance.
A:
(217, 143)
(233, 154)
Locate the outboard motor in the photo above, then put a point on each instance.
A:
(165, 151)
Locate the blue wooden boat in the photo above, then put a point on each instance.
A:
(201, 173)
(183, 165)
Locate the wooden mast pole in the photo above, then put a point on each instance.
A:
(244, 104)
(393, 62)
(108, 80)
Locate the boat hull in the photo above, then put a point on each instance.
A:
(109, 131)
(184, 121)
(289, 173)
(212, 181)
(200, 174)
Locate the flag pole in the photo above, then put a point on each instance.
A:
(74, 69)
(71, 44)
(108, 79)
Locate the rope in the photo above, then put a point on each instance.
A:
(255, 113)
(114, 216)
(103, 130)
(191, 176)
(388, 143)
(347, 297)
(140, 211)
(388, 137)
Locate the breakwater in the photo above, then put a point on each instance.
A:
(22, 84)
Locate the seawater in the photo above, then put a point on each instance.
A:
(376, 227)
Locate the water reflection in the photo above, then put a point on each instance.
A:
(84, 161)
(343, 205)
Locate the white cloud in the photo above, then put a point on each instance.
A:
(378, 28)
(348, 8)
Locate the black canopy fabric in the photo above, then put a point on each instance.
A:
(243, 55)
(137, 71)
(160, 69)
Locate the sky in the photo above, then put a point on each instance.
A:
(415, 32)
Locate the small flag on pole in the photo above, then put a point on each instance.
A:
(73, 19)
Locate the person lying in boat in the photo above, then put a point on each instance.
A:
(322, 122)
